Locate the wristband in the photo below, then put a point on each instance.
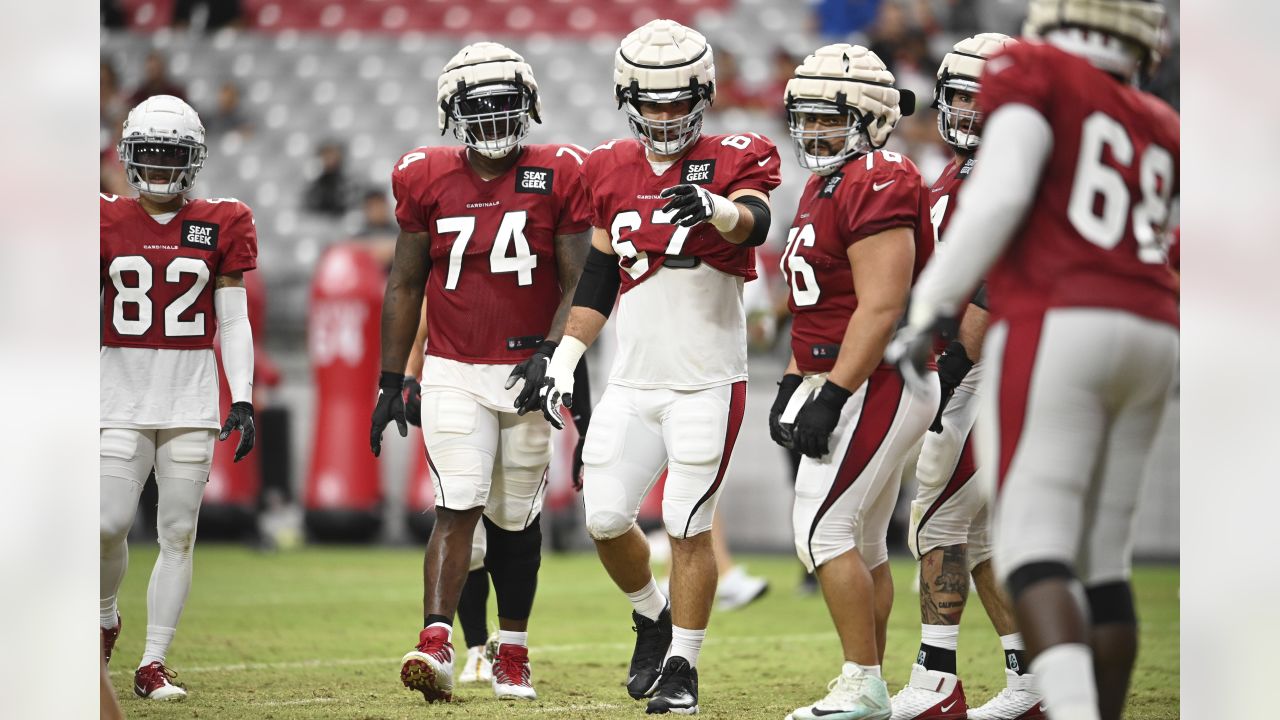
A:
(391, 381)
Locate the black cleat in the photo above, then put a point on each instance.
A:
(677, 690)
(653, 637)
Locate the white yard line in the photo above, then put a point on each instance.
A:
(305, 701)
(535, 650)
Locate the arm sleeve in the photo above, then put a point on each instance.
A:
(232, 306)
(408, 209)
(242, 246)
(759, 166)
(993, 202)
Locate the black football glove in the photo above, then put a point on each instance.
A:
(413, 401)
(390, 407)
(240, 417)
(911, 349)
(691, 204)
(953, 365)
(532, 371)
(577, 462)
(781, 433)
(817, 419)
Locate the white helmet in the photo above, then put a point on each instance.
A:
(849, 82)
(1129, 26)
(663, 61)
(959, 72)
(162, 134)
(487, 91)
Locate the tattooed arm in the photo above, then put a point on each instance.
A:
(402, 303)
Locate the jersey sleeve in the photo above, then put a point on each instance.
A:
(409, 212)
(593, 180)
(575, 206)
(895, 204)
(242, 249)
(759, 167)
(1018, 74)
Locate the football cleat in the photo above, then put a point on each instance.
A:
(653, 637)
(853, 695)
(1019, 701)
(428, 668)
(477, 667)
(109, 637)
(738, 589)
(151, 682)
(677, 689)
(511, 674)
(931, 695)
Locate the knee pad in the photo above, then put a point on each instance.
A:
(1031, 573)
(513, 560)
(608, 524)
(1111, 604)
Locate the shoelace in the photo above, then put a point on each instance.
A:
(435, 647)
(157, 672)
(511, 669)
(670, 682)
(649, 638)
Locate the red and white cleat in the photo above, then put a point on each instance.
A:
(1018, 701)
(428, 668)
(931, 695)
(109, 637)
(511, 674)
(151, 682)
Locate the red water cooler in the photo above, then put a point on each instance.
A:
(343, 498)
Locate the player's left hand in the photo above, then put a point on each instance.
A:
(911, 348)
(240, 417)
(390, 406)
(817, 419)
(953, 365)
(577, 461)
(413, 401)
(692, 204)
(532, 371)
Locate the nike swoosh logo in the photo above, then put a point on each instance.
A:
(880, 186)
(937, 189)
(762, 162)
(945, 708)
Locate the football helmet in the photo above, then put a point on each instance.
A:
(1128, 26)
(850, 84)
(162, 147)
(663, 61)
(487, 93)
(961, 128)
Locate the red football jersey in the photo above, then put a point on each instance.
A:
(494, 285)
(945, 192)
(158, 279)
(867, 196)
(1094, 235)
(625, 200)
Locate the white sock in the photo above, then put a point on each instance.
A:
(511, 637)
(1064, 674)
(107, 612)
(448, 629)
(648, 600)
(945, 637)
(158, 639)
(686, 643)
(1012, 641)
(872, 670)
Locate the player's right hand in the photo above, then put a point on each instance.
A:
(953, 365)
(413, 401)
(780, 432)
(390, 407)
(532, 371)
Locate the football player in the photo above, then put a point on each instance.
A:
(950, 529)
(676, 217)
(1067, 209)
(172, 271)
(861, 234)
(495, 231)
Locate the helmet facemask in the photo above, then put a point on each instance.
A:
(665, 137)
(823, 147)
(491, 119)
(961, 128)
(161, 166)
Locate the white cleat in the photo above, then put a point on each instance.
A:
(853, 695)
(512, 678)
(477, 667)
(931, 695)
(1019, 701)
(428, 668)
(738, 589)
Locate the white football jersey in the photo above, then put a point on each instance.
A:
(682, 329)
(149, 388)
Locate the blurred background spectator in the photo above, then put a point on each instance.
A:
(379, 229)
(227, 116)
(330, 191)
(155, 80)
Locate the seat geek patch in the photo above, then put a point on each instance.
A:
(200, 235)
(698, 171)
(534, 180)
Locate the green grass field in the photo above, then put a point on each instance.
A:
(319, 634)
